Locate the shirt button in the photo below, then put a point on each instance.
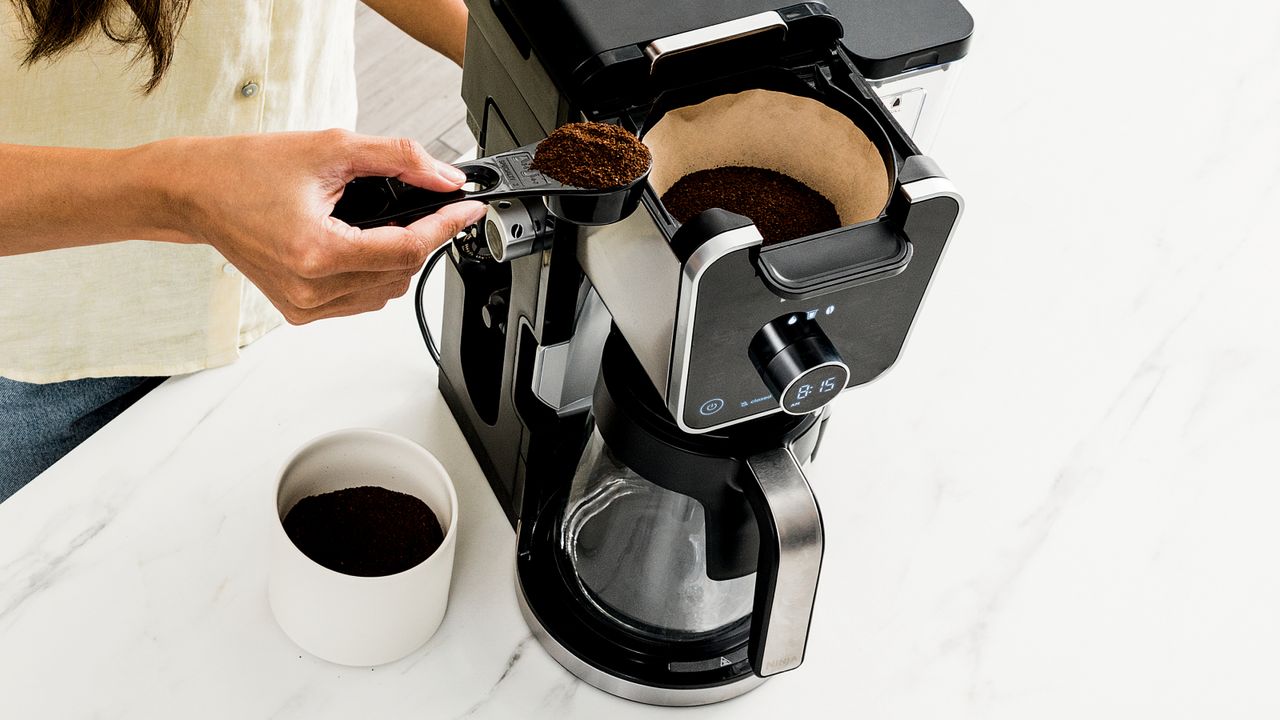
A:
(249, 89)
(228, 269)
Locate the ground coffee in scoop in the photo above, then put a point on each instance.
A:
(781, 207)
(365, 531)
(591, 155)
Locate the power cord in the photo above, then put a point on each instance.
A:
(427, 337)
(470, 247)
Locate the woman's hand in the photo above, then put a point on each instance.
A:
(264, 201)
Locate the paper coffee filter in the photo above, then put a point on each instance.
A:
(790, 134)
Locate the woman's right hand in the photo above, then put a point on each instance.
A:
(265, 202)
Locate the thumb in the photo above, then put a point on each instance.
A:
(402, 158)
(441, 226)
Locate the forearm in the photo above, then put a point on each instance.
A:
(438, 24)
(68, 197)
(264, 201)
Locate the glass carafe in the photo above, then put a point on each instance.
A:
(708, 541)
(639, 552)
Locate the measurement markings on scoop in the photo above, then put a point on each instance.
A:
(516, 169)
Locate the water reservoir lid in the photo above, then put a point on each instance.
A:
(890, 37)
(595, 50)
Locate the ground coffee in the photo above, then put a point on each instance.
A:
(365, 531)
(591, 155)
(782, 207)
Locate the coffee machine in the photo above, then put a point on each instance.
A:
(642, 396)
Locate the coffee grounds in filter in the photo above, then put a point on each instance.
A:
(366, 531)
(781, 207)
(592, 155)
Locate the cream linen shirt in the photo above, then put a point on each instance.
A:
(150, 308)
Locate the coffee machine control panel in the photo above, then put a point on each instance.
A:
(798, 363)
(749, 352)
(752, 354)
(748, 343)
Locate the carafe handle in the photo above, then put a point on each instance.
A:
(790, 559)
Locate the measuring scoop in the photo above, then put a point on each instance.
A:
(376, 201)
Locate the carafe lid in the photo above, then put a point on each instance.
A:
(640, 431)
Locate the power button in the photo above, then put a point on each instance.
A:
(712, 406)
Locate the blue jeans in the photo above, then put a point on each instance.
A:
(41, 423)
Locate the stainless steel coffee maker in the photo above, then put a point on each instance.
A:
(643, 395)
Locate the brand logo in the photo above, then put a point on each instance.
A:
(782, 663)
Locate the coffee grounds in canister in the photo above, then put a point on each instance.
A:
(591, 155)
(365, 531)
(781, 207)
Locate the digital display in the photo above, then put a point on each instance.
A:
(814, 389)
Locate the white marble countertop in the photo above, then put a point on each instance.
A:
(1061, 503)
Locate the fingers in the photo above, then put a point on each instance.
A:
(401, 158)
(347, 249)
(348, 271)
(444, 224)
(312, 294)
(361, 301)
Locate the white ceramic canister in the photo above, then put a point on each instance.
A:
(352, 620)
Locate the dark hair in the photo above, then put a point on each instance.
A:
(55, 26)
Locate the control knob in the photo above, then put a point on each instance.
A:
(798, 363)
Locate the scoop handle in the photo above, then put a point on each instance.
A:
(369, 202)
(374, 201)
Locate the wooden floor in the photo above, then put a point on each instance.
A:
(408, 90)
